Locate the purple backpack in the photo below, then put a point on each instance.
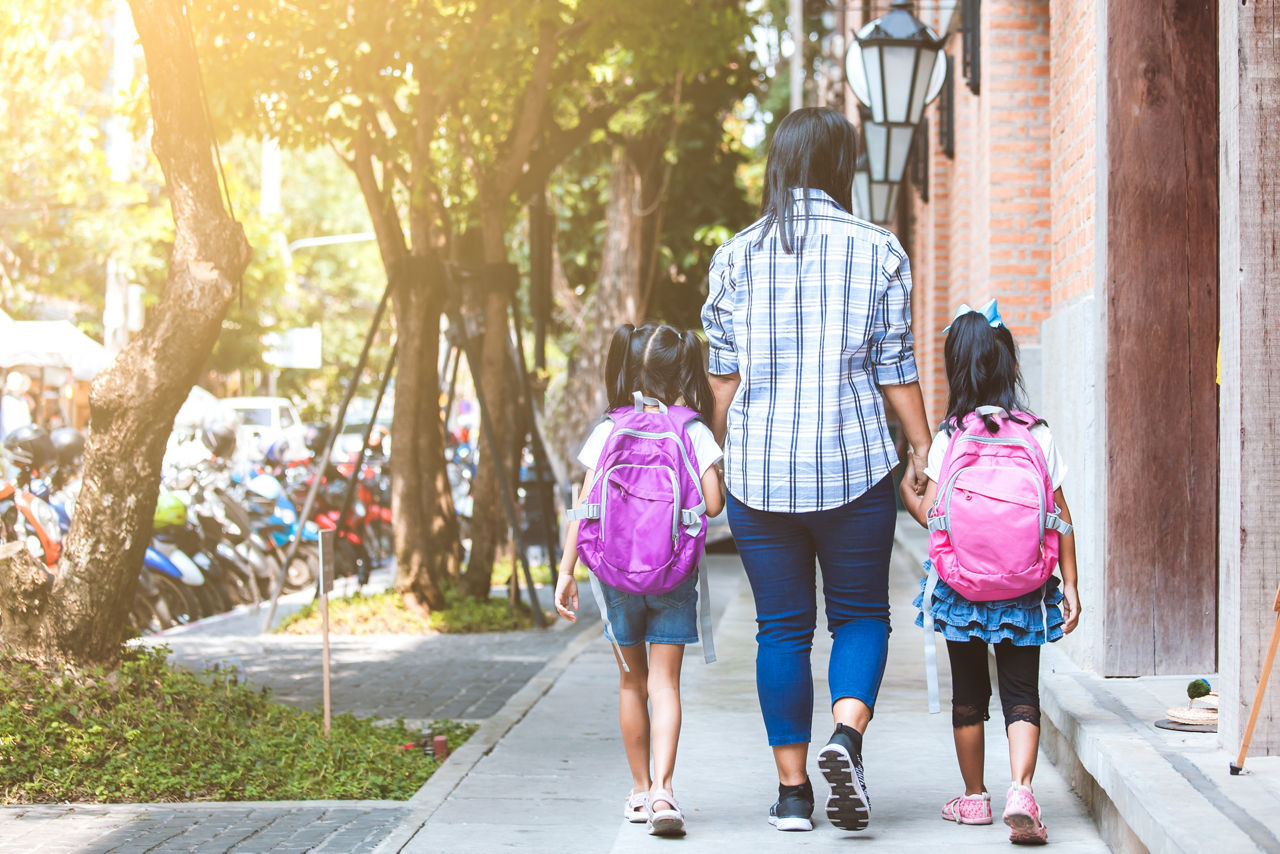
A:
(642, 529)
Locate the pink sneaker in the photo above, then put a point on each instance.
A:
(1022, 814)
(968, 809)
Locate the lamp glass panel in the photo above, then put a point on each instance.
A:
(938, 78)
(872, 57)
(899, 67)
(946, 16)
(900, 137)
(925, 62)
(882, 196)
(862, 194)
(876, 137)
(855, 74)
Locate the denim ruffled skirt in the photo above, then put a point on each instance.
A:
(1019, 620)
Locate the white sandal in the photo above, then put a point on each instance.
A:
(635, 807)
(667, 822)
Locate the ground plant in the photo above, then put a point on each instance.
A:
(387, 614)
(148, 732)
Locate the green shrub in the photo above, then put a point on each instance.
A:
(148, 732)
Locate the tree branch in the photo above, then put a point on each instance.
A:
(533, 103)
(559, 142)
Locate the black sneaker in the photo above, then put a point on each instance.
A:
(849, 806)
(794, 809)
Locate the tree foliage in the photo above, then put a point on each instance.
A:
(450, 115)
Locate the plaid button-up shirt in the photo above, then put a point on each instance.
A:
(812, 335)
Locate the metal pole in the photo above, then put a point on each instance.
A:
(541, 466)
(504, 483)
(349, 498)
(326, 584)
(796, 14)
(322, 462)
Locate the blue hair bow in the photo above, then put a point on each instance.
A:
(989, 310)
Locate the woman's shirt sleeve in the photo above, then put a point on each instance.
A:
(717, 317)
(892, 350)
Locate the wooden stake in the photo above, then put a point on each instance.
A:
(1238, 766)
(326, 583)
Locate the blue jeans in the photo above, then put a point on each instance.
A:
(853, 544)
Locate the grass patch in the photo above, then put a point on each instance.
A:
(386, 613)
(542, 574)
(148, 732)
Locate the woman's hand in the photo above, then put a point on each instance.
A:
(916, 464)
(567, 597)
(1070, 608)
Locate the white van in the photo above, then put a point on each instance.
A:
(265, 419)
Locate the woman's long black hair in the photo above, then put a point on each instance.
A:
(812, 148)
(661, 362)
(982, 370)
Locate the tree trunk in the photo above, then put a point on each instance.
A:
(426, 528)
(79, 617)
(489, 519)
(631, 232)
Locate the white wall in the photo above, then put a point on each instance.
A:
(1072, 398)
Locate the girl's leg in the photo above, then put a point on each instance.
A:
(1018, 672)
(778, 554)
(633, 714)
(854, 543)
(664, 695)
(970, 696)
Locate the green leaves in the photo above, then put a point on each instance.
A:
(161, 734)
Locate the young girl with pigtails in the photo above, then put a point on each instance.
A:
(640, 526)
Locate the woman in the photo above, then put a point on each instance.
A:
(809, 321)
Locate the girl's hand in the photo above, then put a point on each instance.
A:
(567, 597)
(1070, 608)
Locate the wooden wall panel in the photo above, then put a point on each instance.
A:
(1162, 331)
(1250, 488)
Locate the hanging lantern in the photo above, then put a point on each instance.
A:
(895, 66)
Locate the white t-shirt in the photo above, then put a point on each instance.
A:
(1040, 432)
(706, 452)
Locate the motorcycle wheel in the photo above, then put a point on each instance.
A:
(239, 583)
(301, 573)
(179, 601)
(146, 618)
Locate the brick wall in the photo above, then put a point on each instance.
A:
(987, 228)
(1073, 122)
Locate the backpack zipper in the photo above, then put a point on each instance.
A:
(992, 440)
(675, 495)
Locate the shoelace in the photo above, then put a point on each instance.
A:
(857, 767)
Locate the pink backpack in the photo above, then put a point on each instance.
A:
(988, 527)
(994, 527)
(642, 529)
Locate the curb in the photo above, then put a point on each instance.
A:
(433, 793)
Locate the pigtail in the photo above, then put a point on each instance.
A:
(617, 367)
(695, 387)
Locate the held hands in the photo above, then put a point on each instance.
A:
(916, 464)
(567, 596)
(1070, 608)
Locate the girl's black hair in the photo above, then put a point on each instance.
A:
(661, 362)
(812, 148)
(982, 370)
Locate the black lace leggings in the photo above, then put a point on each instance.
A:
(1017, 671)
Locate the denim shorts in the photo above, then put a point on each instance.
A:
(670, 617)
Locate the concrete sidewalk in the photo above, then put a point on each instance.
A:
(555, 780)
